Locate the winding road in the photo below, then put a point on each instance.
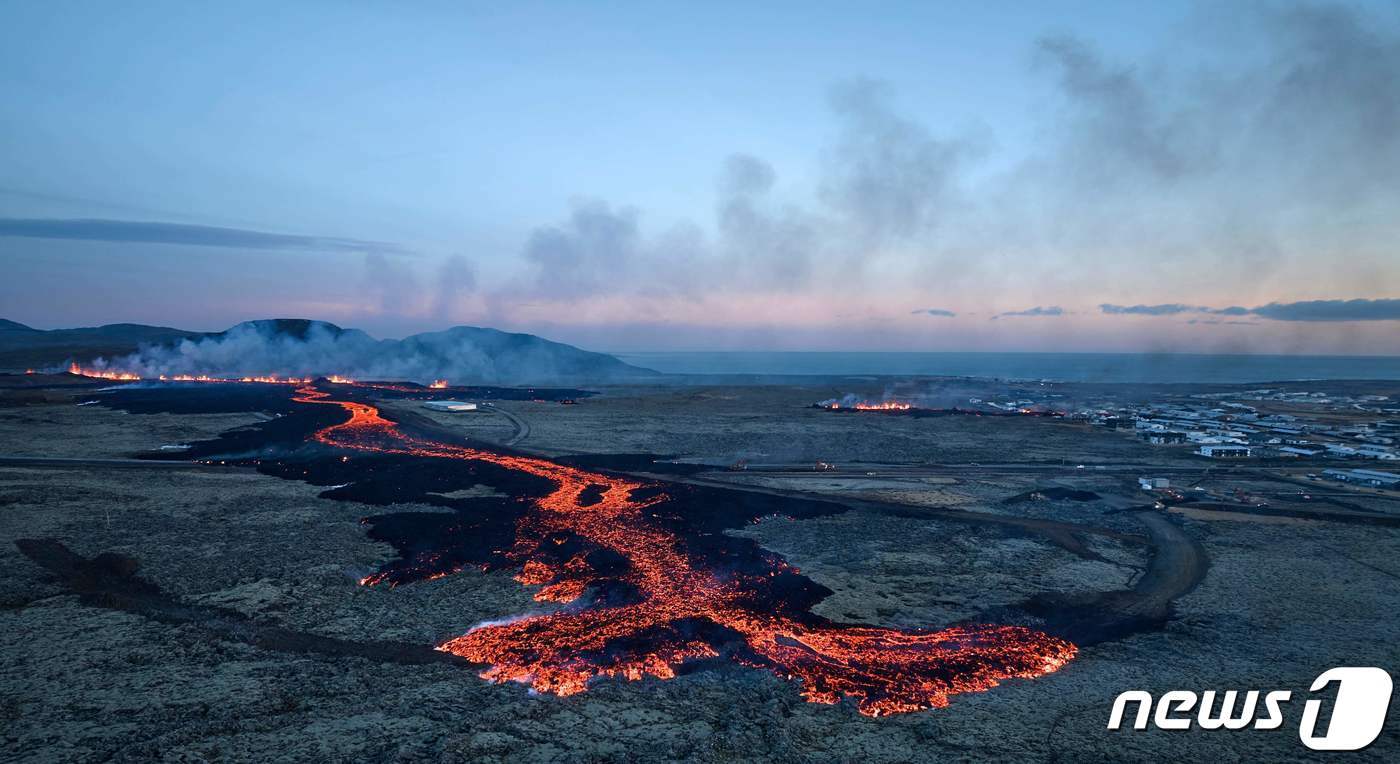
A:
(522, 427)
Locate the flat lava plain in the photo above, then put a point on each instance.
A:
(238, 625)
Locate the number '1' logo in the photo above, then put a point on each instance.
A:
(1363, 698)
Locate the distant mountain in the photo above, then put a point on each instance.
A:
(514, 356)
(295, 328)
(14, 326)
(297, 346)
(24, 346)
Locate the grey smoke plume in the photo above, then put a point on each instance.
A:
(391, 285)
(456, 279)
(586, 253)
(1263, 140)
(601, 249)
(745, 175)
(888, 178)
(886, 183)
(298, 348)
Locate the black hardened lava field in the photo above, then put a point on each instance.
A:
(647, 580)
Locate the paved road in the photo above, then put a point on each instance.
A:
(45, 462)
(1064, 534)
(522, 427)
(856, 470)
(1178, 564)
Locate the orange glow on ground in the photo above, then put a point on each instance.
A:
(885, 406)
(121, 376)
(883, 670)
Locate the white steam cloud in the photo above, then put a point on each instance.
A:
(464, 355)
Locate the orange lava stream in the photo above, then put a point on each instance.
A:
(884, 670)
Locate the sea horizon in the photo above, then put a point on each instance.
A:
(1026, 365)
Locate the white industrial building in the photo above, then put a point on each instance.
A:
(455, 407)
(1220, 451)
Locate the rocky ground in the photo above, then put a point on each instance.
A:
(1282, 602)
(722, 425)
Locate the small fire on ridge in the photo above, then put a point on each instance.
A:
(266, 379)
(851, 402)
(127, 376)
(867, 405)
(121, 376)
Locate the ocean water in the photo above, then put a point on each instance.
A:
(1061, 367)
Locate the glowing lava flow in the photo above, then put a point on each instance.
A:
(685, 610)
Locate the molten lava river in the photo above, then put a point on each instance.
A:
(681, 609)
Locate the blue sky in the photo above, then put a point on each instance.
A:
(649, 176)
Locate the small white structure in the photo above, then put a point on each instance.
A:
(1223, 451)
(1373, 478)
(1376, 453)
(1296, 451)
(1152, 484)
(454, 407)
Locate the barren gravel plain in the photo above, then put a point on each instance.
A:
(264, 645)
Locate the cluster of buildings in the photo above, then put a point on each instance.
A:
(1013, 405)
(1239, 424)
(1219, 428)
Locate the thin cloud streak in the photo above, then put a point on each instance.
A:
(1170, 309)
(1307, 310)
(155, 232)
(1331, 310)
(1037, 311)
